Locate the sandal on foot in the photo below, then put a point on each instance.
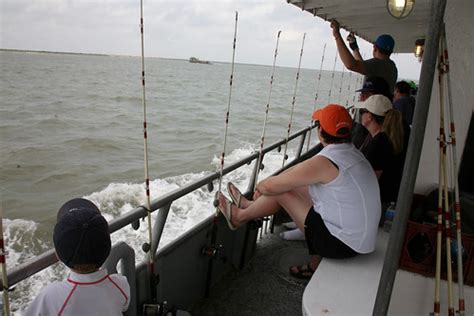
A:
(232, 189)
(226, 210)
(302, 272)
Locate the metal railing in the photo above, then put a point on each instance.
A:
(163, 204)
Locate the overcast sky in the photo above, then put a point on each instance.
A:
(177, 29)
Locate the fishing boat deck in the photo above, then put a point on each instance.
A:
(264, 287)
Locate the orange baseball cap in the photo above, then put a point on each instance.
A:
(334, 119)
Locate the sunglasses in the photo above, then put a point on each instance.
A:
(362, 111)
(316, 124)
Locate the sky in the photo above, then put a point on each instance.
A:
(178, 29)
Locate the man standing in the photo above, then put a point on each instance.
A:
(379, 66)
(403, 101)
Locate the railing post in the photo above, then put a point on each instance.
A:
(255, 172)
(159, 226)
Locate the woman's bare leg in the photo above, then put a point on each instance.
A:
(296, 202)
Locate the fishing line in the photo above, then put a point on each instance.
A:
(293, 103)
(148, 247)
(452, 135)
(316, 96)
(3, 263)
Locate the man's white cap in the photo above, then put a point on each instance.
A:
(377, 104)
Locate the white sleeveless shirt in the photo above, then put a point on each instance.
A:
(350, 204)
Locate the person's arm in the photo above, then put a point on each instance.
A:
(318, 169)
(351, 63)
(354, 46)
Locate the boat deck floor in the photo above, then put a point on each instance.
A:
(264, 287)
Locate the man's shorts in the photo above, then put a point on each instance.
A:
(321, 242)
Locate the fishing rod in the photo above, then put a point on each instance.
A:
(316, 96)
(212, 250)
(262, 139)
(332, 77)
(340, 86)
(348, 89)
(443, 192)
(3, 263)
(147, 247)
(293, 102)
(452, 142)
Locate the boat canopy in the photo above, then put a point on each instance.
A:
(368, 19)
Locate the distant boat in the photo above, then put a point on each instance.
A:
(197, 61)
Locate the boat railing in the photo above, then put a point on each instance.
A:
(163, 204)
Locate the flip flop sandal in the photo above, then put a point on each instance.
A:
(226, 210)
(231, 189)
(302, 272)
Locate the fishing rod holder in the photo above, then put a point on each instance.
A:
(161, 309)
(214, 252)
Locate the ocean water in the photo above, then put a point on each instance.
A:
(71, 126)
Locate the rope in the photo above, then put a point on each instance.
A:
(293, 103)
(145, 152)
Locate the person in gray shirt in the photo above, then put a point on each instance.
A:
(379, 66)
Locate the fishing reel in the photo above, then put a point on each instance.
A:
(162, 309)
(214, 252)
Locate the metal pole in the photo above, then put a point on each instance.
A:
(410, 171)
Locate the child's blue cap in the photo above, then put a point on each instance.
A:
(385, 42)
(81, 234)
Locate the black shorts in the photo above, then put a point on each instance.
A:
(321, 242)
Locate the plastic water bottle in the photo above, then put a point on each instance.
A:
(389, 215)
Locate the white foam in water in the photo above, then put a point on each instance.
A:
(119, 198)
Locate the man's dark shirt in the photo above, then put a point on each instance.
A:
(406, 105)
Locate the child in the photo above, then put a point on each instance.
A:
(82, 242)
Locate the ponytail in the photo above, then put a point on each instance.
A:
(393, 128)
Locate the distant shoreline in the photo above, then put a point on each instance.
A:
(166, 58)
(47, 52)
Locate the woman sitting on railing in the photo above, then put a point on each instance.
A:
(333, 197)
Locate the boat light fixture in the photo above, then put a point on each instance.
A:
(419, 48)
(400, 8)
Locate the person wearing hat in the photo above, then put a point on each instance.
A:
(385, 146)
(380, 65)
(82, 242)
(322, 195)
(404, 101)
(373, 85)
